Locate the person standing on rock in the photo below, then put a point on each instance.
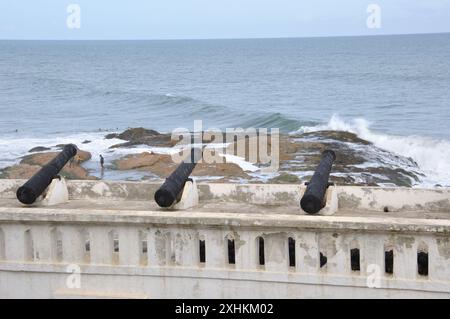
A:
(102, 165)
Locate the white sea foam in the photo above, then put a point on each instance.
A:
(12, 149)
(432, 155)
(246, 166)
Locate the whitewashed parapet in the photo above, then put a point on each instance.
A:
(396, 199)
(235, 253)
(301, 247)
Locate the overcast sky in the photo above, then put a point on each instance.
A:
(192, 19)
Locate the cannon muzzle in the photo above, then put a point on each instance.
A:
(313, 199)
(172, 189)
(36, 185)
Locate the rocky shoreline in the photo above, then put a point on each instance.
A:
(30, 164)
(358, 162)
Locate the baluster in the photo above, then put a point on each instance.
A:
(130, 246)
(405, 257)
(101, 242)
(276, 252)
(307, 252)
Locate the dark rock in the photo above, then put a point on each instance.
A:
(39, 149)
(352, 155)
(111, 136)
(142, 136)
(43, 158)
(341, 136)
(285, 178)
(162, 165)
(32, 163)
(137, 134)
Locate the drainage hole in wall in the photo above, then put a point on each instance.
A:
(323, 260)
(202, 250)
(355, 259)
(389, 262)
(422, 263)
(262, 260)
(291, 245)
(231, 252)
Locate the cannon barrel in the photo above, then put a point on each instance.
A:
(313, 199)
(172, 189)
(36, 185)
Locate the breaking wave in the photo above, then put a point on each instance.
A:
(273, 120)
(431, 155)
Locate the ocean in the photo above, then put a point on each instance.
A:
(393, 91)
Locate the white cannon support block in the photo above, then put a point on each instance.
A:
(241, 241)
(189, 198)
(56, 193)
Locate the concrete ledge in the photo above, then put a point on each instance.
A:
(233, 219)
(350, 197)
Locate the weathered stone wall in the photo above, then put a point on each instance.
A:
(124, 251)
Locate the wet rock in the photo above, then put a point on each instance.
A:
(20, 171)
(341, 136)
(220, 169)
(110, 136)
(86, 142)
(162, 165)
(285, 178)
(43, 158)
(142, 136)
(137, 161)
(137, 133)
(287, 148)
(83, 156)
(39, 149)
(76, 172)
(358, 162)
(158, 164)
(26, 171)
(340, 180)
(30, 164)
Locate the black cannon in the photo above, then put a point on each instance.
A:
(36, 185)
(314, 197)
(172, 189)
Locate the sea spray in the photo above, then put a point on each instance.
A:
(431, 155)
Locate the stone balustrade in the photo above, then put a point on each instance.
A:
(249, 241)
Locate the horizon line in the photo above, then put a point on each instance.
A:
(228, 38)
